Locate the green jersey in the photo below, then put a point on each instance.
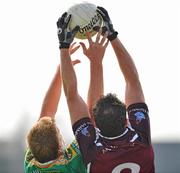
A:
(69, 162)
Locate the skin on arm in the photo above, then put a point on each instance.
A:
(134, 92)
(95, 53)
(77, 107)
(52, 97)
(51, 100)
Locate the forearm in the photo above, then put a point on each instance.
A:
(133, 92)
(96, 86)
(125, 61)
(77, 107)
(51, 100)
(68, 74)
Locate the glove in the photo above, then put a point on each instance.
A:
(112, 34)
(65, 35)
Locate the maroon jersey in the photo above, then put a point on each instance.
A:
(130, 152)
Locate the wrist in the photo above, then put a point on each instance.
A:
(95, 63)
(112, 36)
(63, 45)
(64, 51)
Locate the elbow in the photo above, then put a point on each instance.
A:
(132, 78)
(70, 93)
(135, 83)
(70, 88)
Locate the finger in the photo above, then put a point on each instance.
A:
(83, 46)
(72, 45)
(64, 15)
(96, 28)
(89, 38)
(98, 36)
(75, 29)
(66, 20)
(102, 14)
(77, 61)
(103, 10)
(61, 19)
(106, 44)
(74, 49)
(104, 38)
(104, 29)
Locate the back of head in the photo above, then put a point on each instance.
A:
(110, 115)
(44, 140)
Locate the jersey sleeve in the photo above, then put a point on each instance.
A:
(85, 134)
(139, 120)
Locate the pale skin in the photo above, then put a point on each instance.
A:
(53, 94)
(77, 107)
(133, 92)
(95, 53)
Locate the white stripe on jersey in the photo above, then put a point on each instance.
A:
(134, 137)
(115, 136)
(88, 167)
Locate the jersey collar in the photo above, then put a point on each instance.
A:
(116, 137)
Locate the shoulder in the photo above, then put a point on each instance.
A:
(139, 110)
(82, 125)
(142, 106)
(73, 148)
(138, 115)
(31, 164)
(74, 159)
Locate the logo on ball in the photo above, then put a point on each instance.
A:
(86, 16)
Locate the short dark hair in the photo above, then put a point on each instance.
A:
(110, 115)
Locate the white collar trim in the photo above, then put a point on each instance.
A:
(115, 136)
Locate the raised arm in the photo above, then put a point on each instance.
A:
(53, 94)
(134, 92)
(51, 99)
(95, 53)
(77, 107)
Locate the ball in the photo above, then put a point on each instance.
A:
(86, 16)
